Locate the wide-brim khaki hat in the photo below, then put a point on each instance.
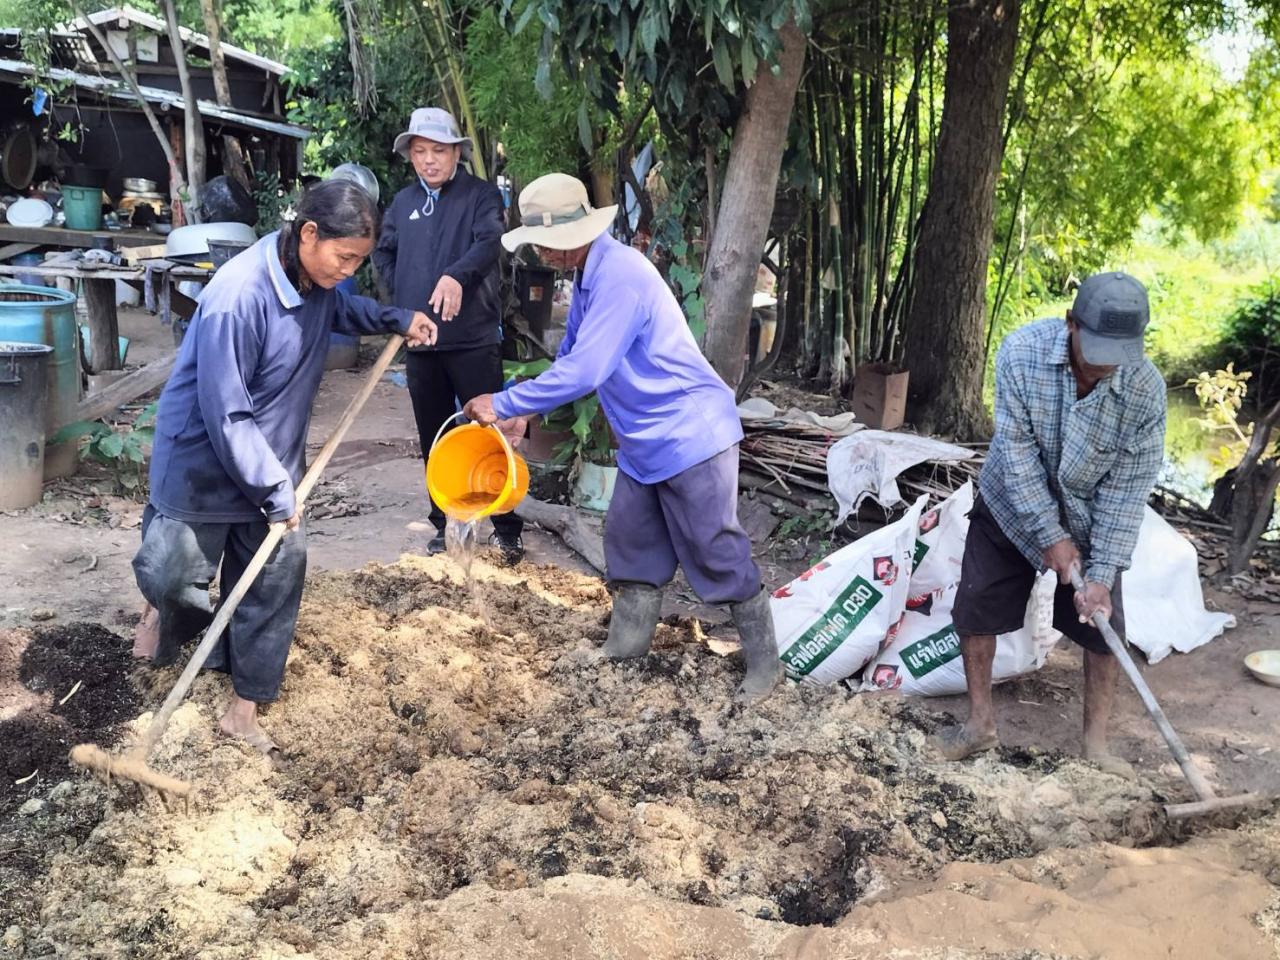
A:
(432, 123)
(555, 213)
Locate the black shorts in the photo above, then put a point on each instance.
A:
(996, 581)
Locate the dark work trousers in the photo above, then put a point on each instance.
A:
(438, 381)
(690, 519)
(174, 567)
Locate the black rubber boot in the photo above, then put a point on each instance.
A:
(636, 607)
(759, 648)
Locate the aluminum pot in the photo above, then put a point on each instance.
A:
(140, 185)
(192, 242)
(360, 175)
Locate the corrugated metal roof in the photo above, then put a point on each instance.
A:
(132, 15)
(114, 89)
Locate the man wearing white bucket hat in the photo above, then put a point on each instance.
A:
(676, 500)
(438, 252)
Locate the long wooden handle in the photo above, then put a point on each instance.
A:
(275, 533)
(1201, 787)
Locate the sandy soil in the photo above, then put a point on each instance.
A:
(456, 790)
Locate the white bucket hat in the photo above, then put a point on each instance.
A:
(555, 213)
(432, 123)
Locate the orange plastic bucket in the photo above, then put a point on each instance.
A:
(472, 472)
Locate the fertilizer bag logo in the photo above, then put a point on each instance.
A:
(925, 656)
(833, 628)
(884, 570)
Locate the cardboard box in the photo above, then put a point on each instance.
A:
(880, 395)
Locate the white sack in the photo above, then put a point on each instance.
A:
(831, 619)
(1163, 603)
(940, 543)
(923, 652)
(867, 464)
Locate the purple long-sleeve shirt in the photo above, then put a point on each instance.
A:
(627, 339)
(231, 426)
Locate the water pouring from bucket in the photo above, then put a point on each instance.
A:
(473, 473)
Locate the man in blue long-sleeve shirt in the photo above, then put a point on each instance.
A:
(676, 498)
(230, 441)
(1079, 442)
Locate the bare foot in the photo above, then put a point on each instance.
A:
(146, 636)
(1108, 762)
(240, 722)
(956, 743)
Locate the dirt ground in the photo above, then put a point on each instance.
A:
(462, 790)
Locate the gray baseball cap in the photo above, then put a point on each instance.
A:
(1111, 313)
(432, 123)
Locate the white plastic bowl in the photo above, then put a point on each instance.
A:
(191, 242)
(29, 212)
(1265, 665)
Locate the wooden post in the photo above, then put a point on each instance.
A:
(104, 328)
(179, 179)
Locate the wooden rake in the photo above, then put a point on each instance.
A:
(132, 765)
(1207, 801)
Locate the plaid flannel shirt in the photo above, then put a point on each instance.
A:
(1064, 467)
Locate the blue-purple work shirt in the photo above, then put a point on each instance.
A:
(231, 426)
(627, 339)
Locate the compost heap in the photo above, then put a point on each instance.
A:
(463, 791)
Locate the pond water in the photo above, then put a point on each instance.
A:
(1188, 449)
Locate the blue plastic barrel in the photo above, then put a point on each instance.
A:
(344, 350)
(48, 315)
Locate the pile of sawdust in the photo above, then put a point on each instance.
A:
(470, 791)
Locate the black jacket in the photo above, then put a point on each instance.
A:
(460, 238)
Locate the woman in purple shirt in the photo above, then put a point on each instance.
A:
(676, 499)
(230, 442)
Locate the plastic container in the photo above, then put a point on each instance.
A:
(30, 260)
(23, 402)
(593, 489)
(47, 315)
(82, 207)
(472, 472)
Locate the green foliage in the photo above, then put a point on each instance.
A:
(691, 53)
(121, 448)
(272, 200)
(592, 441)
(1222, 397)
(535, 131)
(804, 524)
(320, 97)
(677, 236)
(1250, 337)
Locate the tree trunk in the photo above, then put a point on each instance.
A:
(193, 122)
(944, 333)
(232, 152)
(1253, 502)
(746, 207)
(1253, 492)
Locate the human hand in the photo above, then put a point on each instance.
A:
(421, 332)
(513, 430)
(480, 409)
(1095, 598)
(446, 299)
(1060, 558)
(291, 524)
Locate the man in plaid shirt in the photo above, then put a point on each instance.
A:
(1079, 441)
